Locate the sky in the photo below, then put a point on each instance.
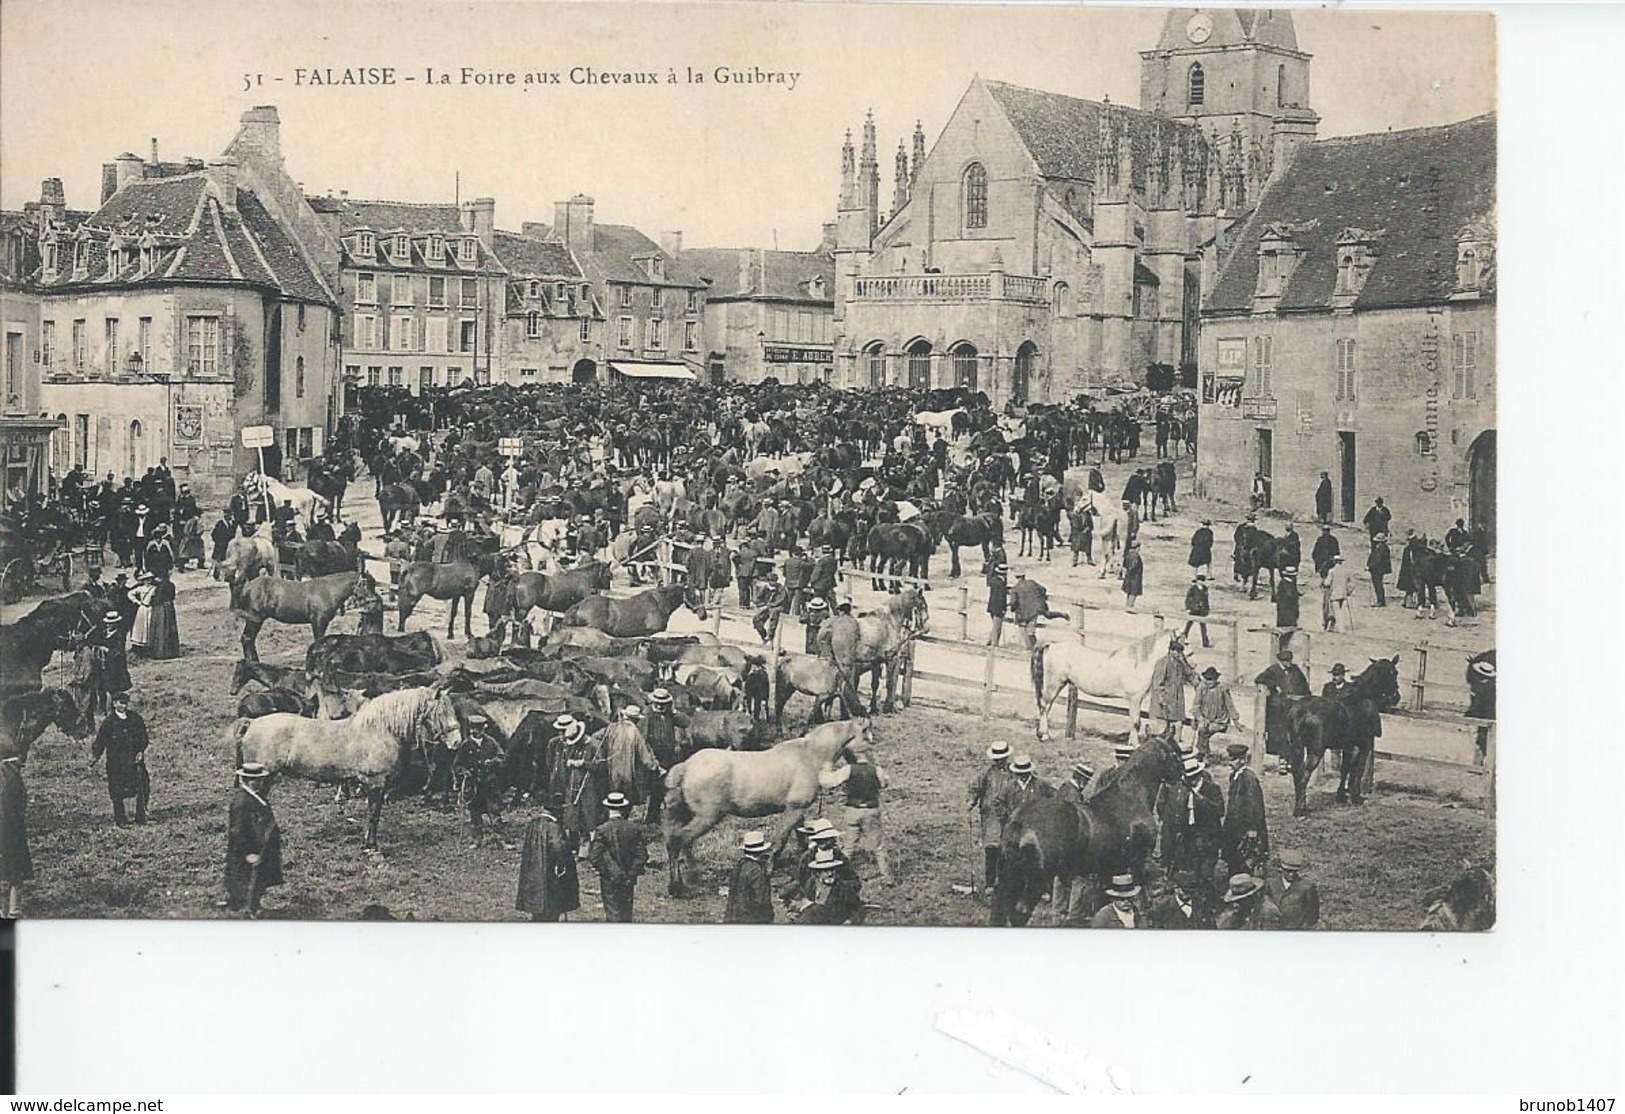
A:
(726, 164)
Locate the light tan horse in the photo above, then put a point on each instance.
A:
(1124, 673)
(876, 643)
(714, 784)
(375, 746)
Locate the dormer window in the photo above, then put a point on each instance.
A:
(1356, 252)
(365, 244)
(1278, 253)
(816, 287)
(148, 255)
(1475, 259)
(51, 258)
(115, 255)
(535, 288)
(586, 297)
(560, 292)
(465, 249)
(403, 247)
(437, 248)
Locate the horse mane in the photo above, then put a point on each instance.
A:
(395, 713)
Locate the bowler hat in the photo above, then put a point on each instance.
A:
(1242, 886)
(1211, 673)
(1123, 885)
(1339, 668)
(1284, 655)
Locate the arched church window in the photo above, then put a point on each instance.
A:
(975, 208)
(1280, 86)
(1196, 85)
(1063, 300)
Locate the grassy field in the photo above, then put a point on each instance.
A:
(1374, 864)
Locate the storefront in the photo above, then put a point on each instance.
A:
(25, 449)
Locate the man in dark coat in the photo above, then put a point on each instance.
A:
(1282, 679)
(1379, 563)
(1326, 547)
(750, 890)
(16, 865)
(619, 854)
(578, 771)
(1247, 906)
(1246, 830)
(548, 886)
(1297, 898)
(985, 791)
(825, 573)
(1196, 609)
(1377, 518)
(1201, 558)
(998, 600)
(1286, 601)
(1022, 786)
(746, 563)
(797, 575)
(253, 841)
(1290, 551)
(1323, 498)
(1030, 602)
(663, 732)
(1406, 581)
(123, 738)
(1193, 829)
(833, 896)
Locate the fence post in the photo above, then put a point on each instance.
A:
(964, 613)
(1260, 707)
(1489, 773)
(1234, 644)
(1079, 611)
(1072, 711)
(987, 682)
(907, 665)
(773, 668)
(1419, 682)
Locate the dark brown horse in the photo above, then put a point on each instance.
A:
(319, 558)
(398, 501)
(558, 592)
(1261, 551)
(1349, 723)
(978, 529)
(27, 646)
(900, 548)
(373, 653)
(25, 717)
(638, 616)
(1048, 839)
(454, 580)
(291, 601)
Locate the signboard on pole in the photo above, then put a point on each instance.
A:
(258, 436)
(511, 446)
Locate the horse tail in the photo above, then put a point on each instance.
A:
(1036, 664)
(1029, 870)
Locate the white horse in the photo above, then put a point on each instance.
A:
(303, 499)
(939, 421)
(398, 444)
(1124, 673)
(790, 464)
(536, 546)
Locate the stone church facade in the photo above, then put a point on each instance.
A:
(1047, 245)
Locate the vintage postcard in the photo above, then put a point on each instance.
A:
(677, 463)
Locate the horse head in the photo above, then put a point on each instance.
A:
(1380, 680)
(60, 708)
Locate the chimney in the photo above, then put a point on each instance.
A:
(671, 243)
(154, 159)
(572, 223)
(747, 272)
(533, 230)
(261, 132)
(109, 180)
(222, 175)
(127, 168)
(53, 202)
(478, 216)
(827, 244)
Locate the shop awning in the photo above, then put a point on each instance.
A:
(651, 370)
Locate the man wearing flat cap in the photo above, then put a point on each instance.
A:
(1246, 829)
(1297, 898)
(253, 841)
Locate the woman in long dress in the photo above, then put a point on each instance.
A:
(141, 630)
(163, 633)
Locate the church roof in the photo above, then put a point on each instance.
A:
(1063, 133)
(1419, 187)
(1230, 27)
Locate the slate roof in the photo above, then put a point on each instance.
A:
(386, 216)
(616, 249)
(526, 257)
(787, 273)
(196, 240)
(1063, 133)
(1419, 187)
(418, 220)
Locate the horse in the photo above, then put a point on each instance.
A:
(303, 499)
(949, 423)
(899, 548)
(245, 559)
(456, 581)
(979, 530)
(1349, 723)
(713, 784)
(318, 558)
(288, 677)
(25, 717)
(1467, 904)
(291, 601)
(877, 642)
(1163, 482)
(253, 705)
(398, 500)
(373, 653)
(328, 479)
(28, 645)
(1260, 550)
(1049, 842)
(1124, 672)
(376, 746)
(641, 615)
(558, 592)
(819, 678)
(717, 689)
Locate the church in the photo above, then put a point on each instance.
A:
(1047, 245)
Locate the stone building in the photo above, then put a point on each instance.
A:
(1352, 331)
(768, 313)
(652, 302)
(1047, 244)
(28, 437)
(552, 325)
(424, 294)
(194, 301)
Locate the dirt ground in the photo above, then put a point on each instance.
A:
(1374, 864)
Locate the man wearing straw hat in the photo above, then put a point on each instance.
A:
(750, 890)
(1074, 790)
(833, 899)
(619, 854)
(1193, 828)
(253, 841)
(1119, 911)
(985, 790)
(629, 763)
(663, 732)
(577, 772)
(1024, 785)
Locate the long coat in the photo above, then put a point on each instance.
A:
(630, 763)
(1286, 604)
(124, 741)
(1299, 904)
(548, 884)
(1191, 839)
(251, 829)
(750, 892)
(1201, 548)
(1380, 562)
(1133, 573)
(1244, 813)
(985, 790)
(15, 863)
(1282, 682)
(1168, 680)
